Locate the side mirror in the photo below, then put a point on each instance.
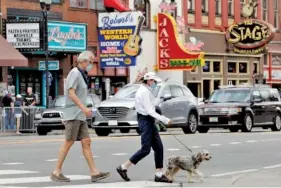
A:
(167, 97)
(257, 100)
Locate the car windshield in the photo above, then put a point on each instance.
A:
(229, 96)
(130, 91)
(59, 102)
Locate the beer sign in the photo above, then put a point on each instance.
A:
(250, 36)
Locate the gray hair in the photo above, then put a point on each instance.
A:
(85, 56)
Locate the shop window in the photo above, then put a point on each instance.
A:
(218, 7)
(232, 82)
(243, 67)
(78, 3)
(243, 81)
(276, 10)
(191, 8)
(144, 7)
(264, 10)
(231, 67)
(207, 67)
(230, 8)
(216, 66)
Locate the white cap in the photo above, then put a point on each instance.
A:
(18, 96)
(151, 76)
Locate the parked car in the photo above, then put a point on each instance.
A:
(241, 107)
(51, 118)
(173, 100)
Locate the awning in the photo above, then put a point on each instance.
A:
(9, 56)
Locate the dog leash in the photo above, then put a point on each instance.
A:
(162, 125)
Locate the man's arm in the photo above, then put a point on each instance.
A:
(34, 102)
(72, 95)
(150, 108)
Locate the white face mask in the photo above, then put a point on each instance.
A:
(89, 67)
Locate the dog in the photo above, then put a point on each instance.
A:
(187, 163)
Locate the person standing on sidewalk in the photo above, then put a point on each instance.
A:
(74, 115)
(150, 137)
(8, 105)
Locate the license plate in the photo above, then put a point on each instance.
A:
(213, 119)
(112, 123)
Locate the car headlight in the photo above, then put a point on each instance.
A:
(37, 116)
(234, 110)
(201, 111)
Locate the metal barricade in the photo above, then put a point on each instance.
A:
(22, 117)
(1, 124)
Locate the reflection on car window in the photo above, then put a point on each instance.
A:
(225, 96)
(128, 91)
(265, 94)
(275, 95)
(256, 95)
(187, 92)
(166, 91)
(176, 91)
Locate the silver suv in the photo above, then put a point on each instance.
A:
(172, 100)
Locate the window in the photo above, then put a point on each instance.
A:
(176, 91)
(264, 10)
(96, 5)
(230, 8)
(256, 68)
(276, 13)
(265, 95)
(275, 96)
(231, 67)
(232, 82)
(230, 96)
(216, 66)
(56, 1)
(243, 81)
(256, 95)
(191, 8)
(78, 3)
(204, 6)
(144, 7)
(243, 67)
(166, 91)
(218, 7)
(187, 92)
(207, 68)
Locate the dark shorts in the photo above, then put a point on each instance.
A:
(76, 130)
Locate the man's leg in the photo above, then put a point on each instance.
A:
(157, 146)
(87, 152)
(71, 133)
(146, 141)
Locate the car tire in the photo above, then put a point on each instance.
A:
(277, 123)
(234, 129)
(102, 132)
(248, 123)
(192, 124)
(42, 131)
(203, 129)
(125, 130)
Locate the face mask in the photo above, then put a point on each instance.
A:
(153, 86)
(89, 67)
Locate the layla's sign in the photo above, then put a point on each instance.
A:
(66, 36)
(171, 54)
(250, 36)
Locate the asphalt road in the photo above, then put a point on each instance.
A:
(238, 159)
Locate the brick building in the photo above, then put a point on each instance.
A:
(65, 11)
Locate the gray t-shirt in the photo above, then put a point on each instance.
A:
(75, 80)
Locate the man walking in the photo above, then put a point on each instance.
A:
(76, 128)
(149, 134)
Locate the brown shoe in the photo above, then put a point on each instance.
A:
(59, 178)
(100, 176)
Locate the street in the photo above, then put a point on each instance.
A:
(238, 159)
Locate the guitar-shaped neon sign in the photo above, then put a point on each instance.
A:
(132, 46)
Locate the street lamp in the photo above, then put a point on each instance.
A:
(45, 7)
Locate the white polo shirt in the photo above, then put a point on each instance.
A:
(144, 104)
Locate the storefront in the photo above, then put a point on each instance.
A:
(64, 40)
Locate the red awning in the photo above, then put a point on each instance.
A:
(9, 56)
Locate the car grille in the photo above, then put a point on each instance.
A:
(51, 115)
(215, 111)
(113, 112)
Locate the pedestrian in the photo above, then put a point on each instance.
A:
(8, 105)
(30, 98)
(150, 137)
(18, 108)
(74, 116)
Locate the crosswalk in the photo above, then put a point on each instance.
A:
(28, 179)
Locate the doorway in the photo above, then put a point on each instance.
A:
(195, 88)
(206, 88)
(217, 83)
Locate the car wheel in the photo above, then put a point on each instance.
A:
(277, 123)
(102, 132)
(203, 129)
(248, 123)
(125, 130)
(234, 129)
(192, 124)
(42, 131)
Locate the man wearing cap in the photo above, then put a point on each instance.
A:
(150, 137)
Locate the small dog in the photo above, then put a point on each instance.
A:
(187, 163)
